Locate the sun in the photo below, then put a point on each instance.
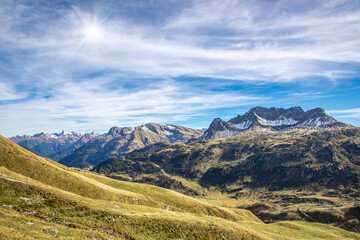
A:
(92, 32)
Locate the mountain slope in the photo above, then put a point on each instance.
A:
(56, 206)
(81, 141)
(120, 141)
(274, 119)
(274, 160)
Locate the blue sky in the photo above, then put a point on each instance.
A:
(90, 65)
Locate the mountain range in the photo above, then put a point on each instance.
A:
(54, 145)
(120, 141)
(77, 150)
(294, 158)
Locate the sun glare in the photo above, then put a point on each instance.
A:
(92, 36)
(92, 32)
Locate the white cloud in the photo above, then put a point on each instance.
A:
(346, 113)
(88, 105)
(250, 41)
(7, 92)
(260, 43)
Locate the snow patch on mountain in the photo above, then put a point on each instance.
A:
(261, 120)
(167, 133)
(243, 125)
(170, 127)
(282, 122)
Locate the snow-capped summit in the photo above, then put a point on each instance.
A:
(275, 119)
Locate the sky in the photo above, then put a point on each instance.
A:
(89, 65)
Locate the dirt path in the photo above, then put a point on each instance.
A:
(307, 216)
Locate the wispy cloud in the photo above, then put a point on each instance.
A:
(346, 113)
(237, 39)
(8, 93)
(132, 70)
(92, 104)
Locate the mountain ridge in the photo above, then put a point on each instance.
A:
(273, 119)
(316, 155)
(75, 149)
(120, 141)
(53, 145)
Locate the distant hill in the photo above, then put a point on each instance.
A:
(271, 119)
(45, 200)
(120, 141)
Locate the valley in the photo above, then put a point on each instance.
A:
(169, 182)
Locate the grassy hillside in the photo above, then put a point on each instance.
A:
(44, 200)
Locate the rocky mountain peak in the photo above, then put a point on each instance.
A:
(114, 131)
(273, 113)
(315, 113)
(218, 129)
(153, 127)
(41, 134)
(274, 119)
(119, 131)
(217, 124)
